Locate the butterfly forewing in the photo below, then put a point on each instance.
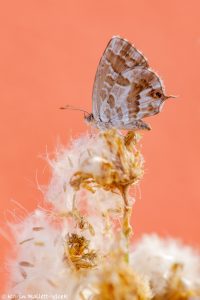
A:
(118, 57)
(125, 89)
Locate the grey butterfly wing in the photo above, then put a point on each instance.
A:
(118, 57)
(142, 96)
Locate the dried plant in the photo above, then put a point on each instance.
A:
(78, 253)
(80, 248)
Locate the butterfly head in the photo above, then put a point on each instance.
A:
(89, 118)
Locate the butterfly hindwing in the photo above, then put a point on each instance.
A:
(141, 97)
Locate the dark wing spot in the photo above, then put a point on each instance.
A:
(111, 101)
(156, 94)
(110, 80)
(117, 62)
(119, 113)
(122, 81)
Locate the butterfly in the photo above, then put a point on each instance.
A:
(125, 89)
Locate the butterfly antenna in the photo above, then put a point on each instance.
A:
(74, 108)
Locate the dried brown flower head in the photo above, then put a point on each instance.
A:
(113, 162)
(77, 252)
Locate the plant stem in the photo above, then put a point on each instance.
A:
(126, 227)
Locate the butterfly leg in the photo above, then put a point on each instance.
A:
(142, 125)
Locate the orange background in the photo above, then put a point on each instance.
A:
(48, 57)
